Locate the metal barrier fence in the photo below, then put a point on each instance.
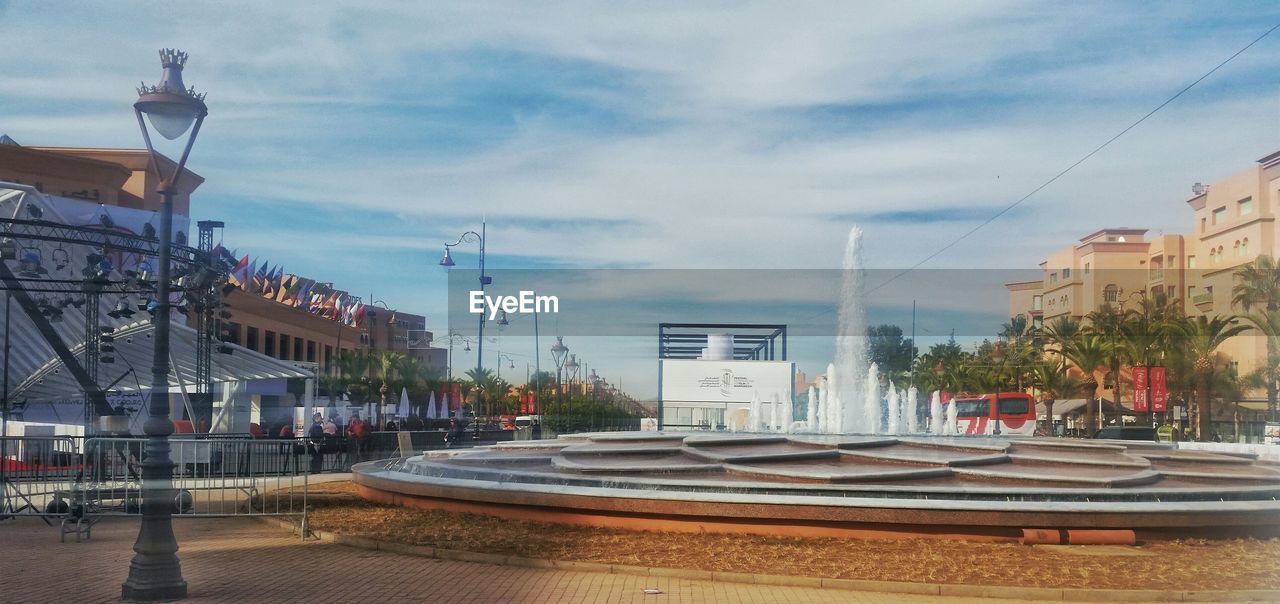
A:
(33, 469)
(53, 478)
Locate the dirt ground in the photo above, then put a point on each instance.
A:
(1194, 564)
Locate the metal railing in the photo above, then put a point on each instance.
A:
(219, 475)
(32, 470)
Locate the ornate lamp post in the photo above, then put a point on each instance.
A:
(155, 572)
(447, 261)
(997, 357)
(558, 353)
(571, 371)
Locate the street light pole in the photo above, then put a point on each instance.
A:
(155, 572)
(558, 353)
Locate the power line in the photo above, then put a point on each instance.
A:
(1077, 162)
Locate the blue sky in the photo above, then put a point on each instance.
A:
(350, 143)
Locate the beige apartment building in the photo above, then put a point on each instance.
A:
(1233, 223)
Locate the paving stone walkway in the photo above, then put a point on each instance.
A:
(244, 560)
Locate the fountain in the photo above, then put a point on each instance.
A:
(848, 469)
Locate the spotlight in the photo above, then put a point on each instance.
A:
(35, 211)
(104, 219)
(224, 315)
(148, 231)
(61, 259)
(122, 311)
(106, 348)
(107, 360)
(31, 266)
(8, 249)
(180, 238)
(224, 349)
(228, 288)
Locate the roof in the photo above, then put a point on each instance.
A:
(133, 344)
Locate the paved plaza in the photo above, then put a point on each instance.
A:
(245, 560)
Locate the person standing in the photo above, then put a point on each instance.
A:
(315, 440)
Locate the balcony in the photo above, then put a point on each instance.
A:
(1202, 299)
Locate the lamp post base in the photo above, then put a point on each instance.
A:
(154, 581)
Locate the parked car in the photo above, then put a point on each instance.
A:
(1127, 433)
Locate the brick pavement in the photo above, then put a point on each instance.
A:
(243, 560)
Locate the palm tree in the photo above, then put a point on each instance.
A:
(1258, 284)
(1055, 382)
(1014, 329)
(1088, 352)
(1058, 332)
(1203, 337)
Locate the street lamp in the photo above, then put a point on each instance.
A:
(447, 261)
(570, 371)
(997, 357)
(155, 572)
(558, 353)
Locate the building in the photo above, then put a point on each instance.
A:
(1233, 221)
(121, 178)
(402, 332)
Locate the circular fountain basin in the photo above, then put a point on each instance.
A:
(865, 486)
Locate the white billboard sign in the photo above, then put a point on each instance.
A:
(724, 381)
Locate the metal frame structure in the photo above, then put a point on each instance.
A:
(756, 342)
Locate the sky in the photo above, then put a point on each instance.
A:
(350, 143)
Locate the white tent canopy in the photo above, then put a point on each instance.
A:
(133, 346)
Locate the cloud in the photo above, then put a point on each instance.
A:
(354, 142)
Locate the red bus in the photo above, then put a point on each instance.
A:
(1016, 412)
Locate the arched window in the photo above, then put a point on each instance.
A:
(1110, 293)
(1244, 247)
(1235, 249)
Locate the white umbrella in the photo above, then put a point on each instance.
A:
(431, 406)
(403, 410)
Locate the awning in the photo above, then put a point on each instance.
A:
(133, 344)
(1076, 406)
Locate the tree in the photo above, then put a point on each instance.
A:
(1088, 352)
(1015, 329)
(1258, 284)
(1203, 337)
(1055, 382)
(889, 350)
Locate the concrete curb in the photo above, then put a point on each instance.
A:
(862, 585)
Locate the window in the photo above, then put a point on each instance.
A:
(1088, 267)
(973, 408)
(251, 339)
(1244, 247)
(1014, 406)
(1191, 261)
(269, 344)
(297, 349)
(328, 358)
(1053, 278)
(1191, 291)
(1220, 215)
(284, 347)
(311, 351)
(231, 332)
(1037, 322)
(1235, 250)
(1037, 302)
(1066, 273)
(1110, 293)
(1202, 225)
(1244, 207)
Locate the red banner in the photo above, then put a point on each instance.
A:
(527, 404)
(1159, 396)
(1140, 400)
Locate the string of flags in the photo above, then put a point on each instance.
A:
(320, 299)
